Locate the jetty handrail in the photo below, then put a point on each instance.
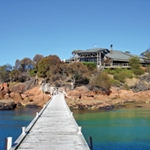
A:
(71, 114)
(26, 130)
(78, 128)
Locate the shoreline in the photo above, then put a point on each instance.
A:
(109, 107)
(8, 103)
(80, 98)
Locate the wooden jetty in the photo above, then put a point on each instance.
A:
(54, 128)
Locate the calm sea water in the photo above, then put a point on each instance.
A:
(11, 123)
(123, 129)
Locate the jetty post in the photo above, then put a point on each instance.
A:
(8, 143)
(90, 143)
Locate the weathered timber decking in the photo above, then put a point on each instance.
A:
(55, 129)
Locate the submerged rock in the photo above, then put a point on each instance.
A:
(7, 106)
(32, 106)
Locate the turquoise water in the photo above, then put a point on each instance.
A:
(123, 129)
(12, 121)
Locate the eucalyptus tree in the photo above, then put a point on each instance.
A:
(146, 54)
(37, 59)
(26, 64)
(21, 69)
(17, 64)
(51, 67)
(16, 76)
(4, 73)
(76, 71)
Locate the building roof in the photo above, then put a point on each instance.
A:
(93, 50)
(69, 60)
(122, 56)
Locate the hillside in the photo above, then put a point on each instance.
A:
(87, 86)
(29, 94)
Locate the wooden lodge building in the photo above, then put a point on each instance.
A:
(104, 58)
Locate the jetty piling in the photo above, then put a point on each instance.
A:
(90, 143)
(8, 143)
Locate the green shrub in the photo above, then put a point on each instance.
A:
(110, 71)
(90, 65)
(148, 69)
(33, 72)
(134, 62)
(138, 71)
(126, 87)
(102, 81)
(128, 73)
(80, 80)
(113, 71)
(118, 70)
(115, 83)
(121, 76)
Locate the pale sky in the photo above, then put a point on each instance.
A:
(48, 27)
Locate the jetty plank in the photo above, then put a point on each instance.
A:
(55, 129)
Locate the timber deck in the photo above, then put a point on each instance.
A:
(55, 129)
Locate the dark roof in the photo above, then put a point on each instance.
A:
(93, 50)
(122, 56)
(69, 60)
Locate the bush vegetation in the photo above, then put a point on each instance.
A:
(101, 81)
(126, 87)
(115, 83)
(122, 75)
(57, 72)
(90, 65)
(134, 62)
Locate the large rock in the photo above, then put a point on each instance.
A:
(12, 95)
(22, 87)
(80, 99)
(7, 96)
(4, 89)
(17, 97)
(74, 93)
(2, 94)
(23, 95)
(18, 88)
(35, 96)
(7, 106)
(4, 86)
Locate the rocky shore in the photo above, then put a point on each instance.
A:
(7, 105)
(80, 98)
(19, 96)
